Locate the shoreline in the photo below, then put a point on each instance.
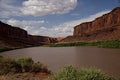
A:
(101, 44)
(115, 44)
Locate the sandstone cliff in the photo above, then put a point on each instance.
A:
(106, 27)
(14, 36)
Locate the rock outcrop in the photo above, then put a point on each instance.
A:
(106, 27)
(14, 36)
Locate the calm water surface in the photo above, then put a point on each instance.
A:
(56, 57)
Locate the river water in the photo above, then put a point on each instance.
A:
(57, 57)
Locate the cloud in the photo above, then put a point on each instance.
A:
(32, 26)
(7, 9)
(47, 7)
(62, 30)
(35, 7)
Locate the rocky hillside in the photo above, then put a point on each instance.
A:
(106, 27)
(14, 36)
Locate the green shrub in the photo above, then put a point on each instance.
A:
(1, 57)
(71, 73)
(45, 69)
(110, 44)
(26, 64)
(39, 67)
(36, 67)
(92, 74)
(9, 65)
(21, 65)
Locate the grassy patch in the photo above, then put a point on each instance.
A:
(21, 65)
(104, 44)
(110, 44)
(71, 73)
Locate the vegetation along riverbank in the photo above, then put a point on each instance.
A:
(103, 44)
(23, 68)
(27, 69)
(72, 73)
(2, 49)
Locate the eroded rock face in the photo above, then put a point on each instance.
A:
(106, 27)
(107, 22)
(42, 39)
(15, 36)
(12, 32)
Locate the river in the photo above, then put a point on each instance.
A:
(57, 57)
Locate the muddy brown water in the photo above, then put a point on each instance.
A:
(57, 57)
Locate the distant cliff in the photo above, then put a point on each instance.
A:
(14, 36)
(106, 27)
